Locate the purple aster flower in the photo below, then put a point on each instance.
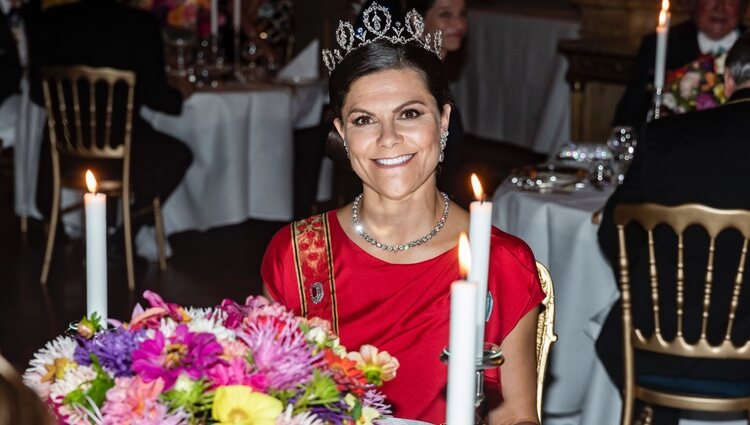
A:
(113, 349)
(705, 100)
(335, 414)
(280, 351)
(185, 352)
(376, 400)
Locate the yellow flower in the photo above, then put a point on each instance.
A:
(239, 405)
(378, 366)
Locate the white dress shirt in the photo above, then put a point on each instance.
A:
(722, 45)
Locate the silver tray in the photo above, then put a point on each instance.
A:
(548, 177)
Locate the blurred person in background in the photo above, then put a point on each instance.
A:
(10, 66)
(19, 405)
(106, 33)
(713, 27)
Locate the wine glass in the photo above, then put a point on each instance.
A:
(251, 55)
(622, 142)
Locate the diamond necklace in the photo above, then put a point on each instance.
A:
(403, 247)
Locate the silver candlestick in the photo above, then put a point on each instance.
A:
(492, 357)
(658, 97)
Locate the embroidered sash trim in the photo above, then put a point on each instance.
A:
(314, 266)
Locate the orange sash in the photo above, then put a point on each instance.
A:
(314, 266)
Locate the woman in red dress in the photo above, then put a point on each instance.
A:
(380, 268)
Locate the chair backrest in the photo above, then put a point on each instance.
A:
(545, 332)
(89, 111)
(679, 218)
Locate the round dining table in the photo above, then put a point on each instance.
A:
(558, 227)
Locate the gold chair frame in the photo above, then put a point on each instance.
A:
(545, 333)
(53, 78)
(714, 221)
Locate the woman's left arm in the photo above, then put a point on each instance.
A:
(518, 377)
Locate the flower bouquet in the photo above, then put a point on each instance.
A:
(696, 86)
(183, 14)
(251, 364)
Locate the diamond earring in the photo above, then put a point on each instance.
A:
(443, 143)
(346, 148)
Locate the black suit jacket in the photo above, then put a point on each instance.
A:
(682, 48)
(10, 67)
(699, 157)
(104, 33)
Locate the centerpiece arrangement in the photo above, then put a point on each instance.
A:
(194, 15)
(696, 86)
(253, 363)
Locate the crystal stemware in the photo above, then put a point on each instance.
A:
(622, 142)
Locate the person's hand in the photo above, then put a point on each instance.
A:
(185, 87)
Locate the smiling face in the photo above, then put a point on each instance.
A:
(717, 18)
(448, 16)
(392, 125)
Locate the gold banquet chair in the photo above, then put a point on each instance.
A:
(78, 129)
(679, 218)
(545, 333)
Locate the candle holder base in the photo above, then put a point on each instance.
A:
(492, 357)
(658, 99)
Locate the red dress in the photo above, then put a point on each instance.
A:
(404, 308)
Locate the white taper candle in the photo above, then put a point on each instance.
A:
(95, 205)
(662, 32)
(480, 230)
(237, 15)
(214, 16)
(462, 360)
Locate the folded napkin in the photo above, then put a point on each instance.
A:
(304, 66)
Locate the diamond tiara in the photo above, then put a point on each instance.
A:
(378, 25)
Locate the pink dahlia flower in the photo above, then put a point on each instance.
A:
(135, 401)
(184, 352)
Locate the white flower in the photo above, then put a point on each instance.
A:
(76, 377)
(719, 63)
(49, 364)
(305, 418)
(689, 84)
(201, 320)
(317, 336)
(669, 101)
(209, 320)
(184, 383)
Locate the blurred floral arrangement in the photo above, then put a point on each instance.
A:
(255, 363)
(696, 86)
(188, 14)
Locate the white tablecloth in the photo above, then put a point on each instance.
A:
(512, 86)
(243, 156)
(243, 148)
(26, 137)
(559, 230)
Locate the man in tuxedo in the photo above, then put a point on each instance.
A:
(105, 33)
(713, 28)
(698, 157)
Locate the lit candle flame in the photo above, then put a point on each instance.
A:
(477, 186)
(665, 5)
(464, 255)
(90, 181)
(662, 18)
